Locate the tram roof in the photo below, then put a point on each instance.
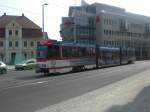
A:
(64, 43)
(73, 44)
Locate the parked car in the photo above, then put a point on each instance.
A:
(3, 68)
(26, 65)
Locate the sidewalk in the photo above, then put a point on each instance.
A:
(128, 95)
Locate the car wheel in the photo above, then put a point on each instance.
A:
(3, 71)
(23, 68)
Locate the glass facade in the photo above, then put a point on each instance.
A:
(108, 26)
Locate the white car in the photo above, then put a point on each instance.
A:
(3, 68)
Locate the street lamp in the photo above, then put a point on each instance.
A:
(43, 18)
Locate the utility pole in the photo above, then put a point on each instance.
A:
(75, 28)
(43, 19)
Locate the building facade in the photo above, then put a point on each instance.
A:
(19, 37)
(108, 26)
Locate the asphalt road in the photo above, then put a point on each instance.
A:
(25, 91)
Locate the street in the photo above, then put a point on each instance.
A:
(26, 91)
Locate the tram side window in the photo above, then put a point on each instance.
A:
(75, 52)
(115, 55)
(70, 51)
(90, 51)
(66, 51)
(86, 51)
(83, 51)
(124, 53)
(53, 51)
(107, 56)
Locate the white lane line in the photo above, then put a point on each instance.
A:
(28, 84)
(38, 82)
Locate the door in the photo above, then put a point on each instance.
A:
(13, 56)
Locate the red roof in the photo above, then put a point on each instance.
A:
(23, 21)
(46, 42)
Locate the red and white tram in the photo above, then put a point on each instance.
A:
(64, 57)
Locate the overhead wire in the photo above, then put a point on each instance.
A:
(35, 13)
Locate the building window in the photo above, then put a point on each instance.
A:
(104, 32)
(109, 32)
(1, 44)
(10, 32)
(32, 44)
(25, 43)
(16, 32)
(16, 44)
(10, 44)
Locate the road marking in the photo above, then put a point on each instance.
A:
(38, 82)
(28, 84)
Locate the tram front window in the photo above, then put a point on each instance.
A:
(42, 51)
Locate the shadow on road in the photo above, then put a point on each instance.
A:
(141, 103)
(38, 76)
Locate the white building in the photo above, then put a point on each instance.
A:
(19, 37)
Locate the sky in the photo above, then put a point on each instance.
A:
(56, 9)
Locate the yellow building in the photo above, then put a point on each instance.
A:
(19, 37)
